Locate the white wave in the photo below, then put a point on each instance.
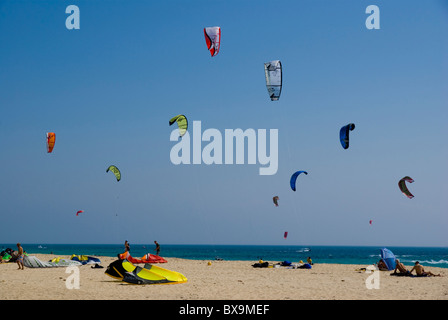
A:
(428, 261)
(435, 262)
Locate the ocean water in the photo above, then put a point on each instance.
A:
(428, 256)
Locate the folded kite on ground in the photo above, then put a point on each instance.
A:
(149, 274)
(147, 258)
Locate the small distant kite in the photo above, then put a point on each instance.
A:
(370, 222)
(51, 139)
(404, 188)
(344, 134)
(292, 182)
(80, 211)
(285, 235)
(213, 39)
(273, 74)
(115, 171)
(275, 199)
(182, 123)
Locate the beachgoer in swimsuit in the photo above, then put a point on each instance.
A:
(157, 248)
(20, 257)
(382, 265)
(400, 267)
(421, 271)
(127, 248)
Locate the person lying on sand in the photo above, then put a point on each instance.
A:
(421, 271)
(400, 267)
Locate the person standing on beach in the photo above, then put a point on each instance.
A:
(20, 257)
(127, 248)
(157, 247)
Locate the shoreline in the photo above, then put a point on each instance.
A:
(366, 255)
(222, 280)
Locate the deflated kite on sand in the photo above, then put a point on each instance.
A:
(149, 274)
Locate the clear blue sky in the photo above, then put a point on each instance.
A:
(108, 90)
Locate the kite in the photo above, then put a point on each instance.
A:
(149, 274)
(115, 171)
(275, 199)
(51, 139)
(370, 222)
(344, 134)
(182, 123)
(403, 188)
(292, 182)
(85, 259)
(213, 39)
(285, 235)
(80, 211)
(147, 258)
(273, 73)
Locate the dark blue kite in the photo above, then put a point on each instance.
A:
(344, 136)
(292, 182)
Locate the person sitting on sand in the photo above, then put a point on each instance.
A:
(421, 271)
(382, 265)
(400, 267)
(309, 261)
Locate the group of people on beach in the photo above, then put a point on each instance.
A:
(400, 269)
(20, 254)
(127, 247)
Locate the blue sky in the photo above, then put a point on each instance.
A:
(108, 90)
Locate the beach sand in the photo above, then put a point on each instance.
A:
(222, 280)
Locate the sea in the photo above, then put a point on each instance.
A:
(360, 255)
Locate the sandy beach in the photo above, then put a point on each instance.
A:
(222, 280)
